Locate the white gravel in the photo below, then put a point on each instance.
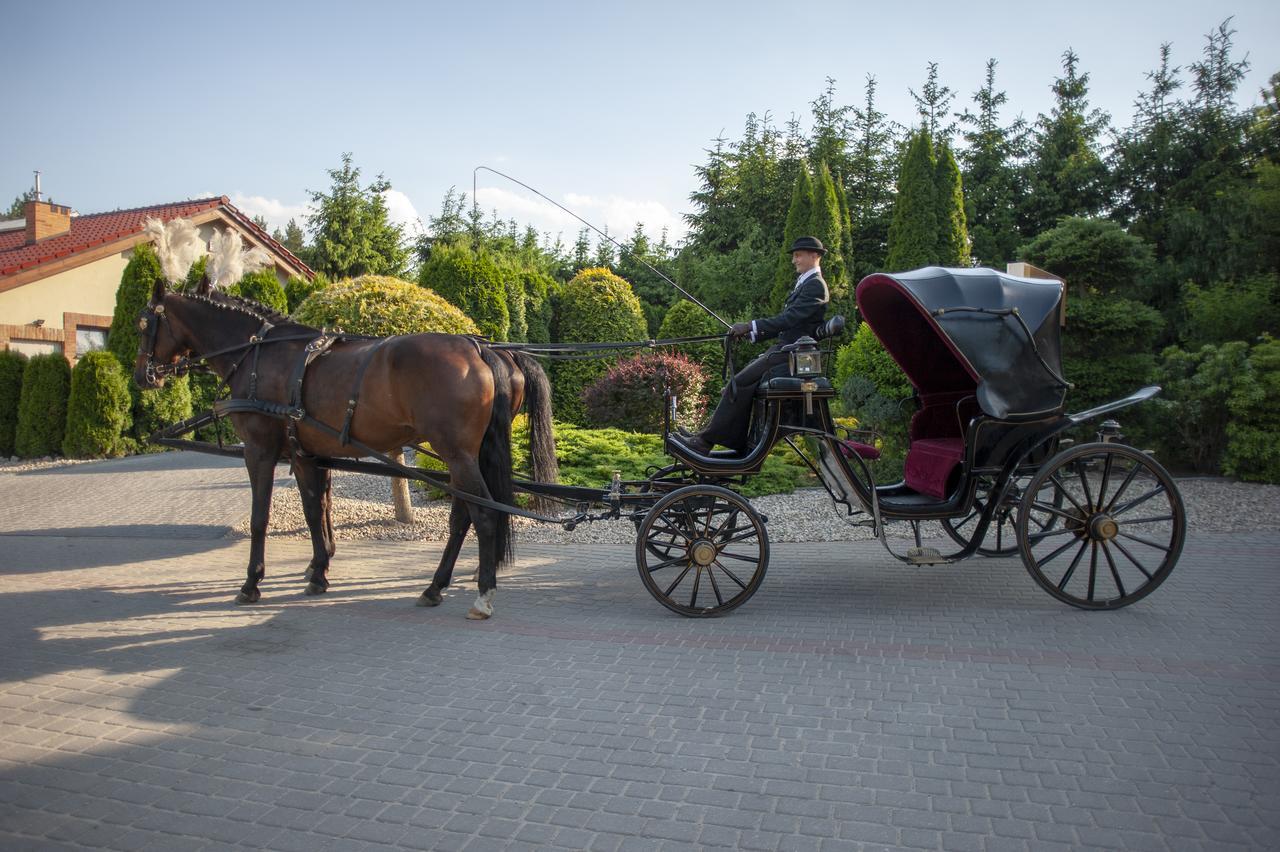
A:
(362, 510)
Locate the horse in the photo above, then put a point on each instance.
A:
(452, 391)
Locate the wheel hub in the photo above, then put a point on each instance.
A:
(1103, 527)
(703, 552)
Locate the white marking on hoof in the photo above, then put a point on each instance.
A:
(483, 607)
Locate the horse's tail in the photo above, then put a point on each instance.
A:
(495, 452)
(542, 439)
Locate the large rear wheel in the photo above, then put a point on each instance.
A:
(702, 551)
(1101, 526)
(1001, 538)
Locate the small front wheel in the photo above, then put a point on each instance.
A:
(1101, 525)
(702, 550)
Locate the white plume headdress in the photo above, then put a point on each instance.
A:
(229, 262)
(178, 245)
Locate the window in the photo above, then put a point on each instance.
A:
(90, 339)
(35, 347)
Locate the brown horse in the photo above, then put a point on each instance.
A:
(452, 392)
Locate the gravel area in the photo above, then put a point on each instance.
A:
(362, 510)
(17, 465)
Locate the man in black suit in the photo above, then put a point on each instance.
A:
(804, 310)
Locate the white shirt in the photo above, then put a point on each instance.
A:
(804, 276)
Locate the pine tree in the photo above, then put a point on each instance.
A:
(992, 181)
(1067, 175)
(869, 187)
(293, 238)
(915, 234)
(933, 103)
(349, 224)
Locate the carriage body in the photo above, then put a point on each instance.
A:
(1098, 525)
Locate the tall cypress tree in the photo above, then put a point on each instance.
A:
(914, 235)
(799, 223)
(953, 239)
(828, 226)
(989, 168)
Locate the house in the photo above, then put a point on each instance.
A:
(59, 270)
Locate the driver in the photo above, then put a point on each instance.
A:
(804, 310)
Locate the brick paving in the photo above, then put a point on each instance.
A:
(852, 704)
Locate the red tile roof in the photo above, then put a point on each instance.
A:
(96, 229)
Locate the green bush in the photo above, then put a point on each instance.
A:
(12, 365)
(298, 288)
(1194, 412)
(42, 408)
(1253, 435)
(594, 306)
(1231, 310)
(631, 395)
(588, 457)
(382, 305)
(136, 283)
(539, 295)
(97, 408)
(1092, 256)
(685, 319)
(1107, 348)
(204, 388)
(264, 288)
(477, 282)
(160, 407)
(864, 356)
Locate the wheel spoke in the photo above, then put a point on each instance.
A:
(1053, 510)
(1129, 556)
(1132, 504)
(750, 559)
(1142, 540)
(1062, 489)
(678, 580)
(715, 587)
(1083, 472)
(1106, 477)
(697, 581)
(1093, 569)
(668, 563)
(730, 574)
(1115, 574)
(1154, 519)
(667, 528)
(749, 532)
(1040, 563)
(1071, 569)
(1128, 479)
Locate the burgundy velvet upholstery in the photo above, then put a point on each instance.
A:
(930, 463)
(857, 448)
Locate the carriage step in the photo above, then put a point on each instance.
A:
(925, 556)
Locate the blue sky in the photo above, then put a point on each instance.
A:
(604, 106)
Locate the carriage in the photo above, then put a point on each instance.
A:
(991, 457)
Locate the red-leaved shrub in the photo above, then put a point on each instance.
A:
(630, 395)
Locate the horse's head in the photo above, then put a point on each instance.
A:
(163, 344)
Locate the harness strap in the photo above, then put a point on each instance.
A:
(344, 437)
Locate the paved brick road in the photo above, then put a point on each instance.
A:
(851, 704)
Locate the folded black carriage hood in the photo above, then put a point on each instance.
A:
(958, 330)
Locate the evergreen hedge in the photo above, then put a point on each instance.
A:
(263, 287)
(594, 306)
(685, 319)
(298, 288)
(12, 365)
(479, 283)
(1253, 436)
(382, 305)
(97, 408)
(42, 408)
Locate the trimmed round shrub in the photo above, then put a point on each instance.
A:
(263, 287)
(595, 306)
(380, 304)
(42, 409)
(685, 319)
(478, 282)
(865, 357)
(12, 365)
(98, 408)
(631, 394)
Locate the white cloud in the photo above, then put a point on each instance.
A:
(276, 212)
(616, 214)
(400, 210)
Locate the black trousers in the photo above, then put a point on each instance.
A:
(731, 421)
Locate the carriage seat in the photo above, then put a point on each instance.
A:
(932, 465)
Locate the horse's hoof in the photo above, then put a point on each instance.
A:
(248, 597)
(314, 588)
(476, 615)
(430, 598)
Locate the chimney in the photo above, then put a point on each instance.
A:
(45, 219)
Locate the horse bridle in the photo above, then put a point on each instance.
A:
(149, 320)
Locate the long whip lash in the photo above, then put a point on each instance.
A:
(620, 246)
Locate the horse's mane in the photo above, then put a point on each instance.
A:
(245, 305)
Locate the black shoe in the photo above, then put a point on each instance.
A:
(685, 433)
(696, 443)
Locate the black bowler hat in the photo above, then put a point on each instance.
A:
(808, 244)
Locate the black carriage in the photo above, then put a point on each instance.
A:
(1098, 525)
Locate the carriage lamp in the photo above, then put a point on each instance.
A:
(805, 359)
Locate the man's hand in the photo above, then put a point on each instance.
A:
(740, 329)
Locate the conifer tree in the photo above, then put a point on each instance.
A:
(915, 234)
(953, 240)
(799, 223)
(828, 226)
(869, 183)
(992, 181)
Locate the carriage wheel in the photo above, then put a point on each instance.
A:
(702, 550)
(1002, 533)
(1119, 526)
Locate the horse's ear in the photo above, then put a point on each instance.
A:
(202, 289)
(158, 291)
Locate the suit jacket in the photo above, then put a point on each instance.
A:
(804, 310)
